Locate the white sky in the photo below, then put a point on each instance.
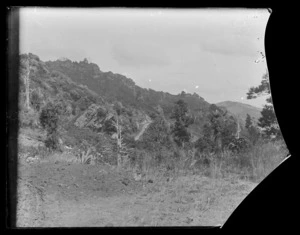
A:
(208, 51)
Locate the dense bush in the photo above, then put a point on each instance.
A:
(109, 126)
(205, 144)
(238, 145)
(36, 100)
(77, 135)
(218, 133)
(74, 95)
(49, 118)
(83, 103)
(51, 141)
(156, 136)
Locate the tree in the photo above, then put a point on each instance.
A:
(223, 128)
(118, 107)
(25, 74)
(49, 118)
(267, 121)
(248, 121)
(218, 132)
(205, 143)
(182, 121)
(252, 133)
(36, 100)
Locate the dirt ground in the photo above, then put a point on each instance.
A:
(67, 195)
(64, 194)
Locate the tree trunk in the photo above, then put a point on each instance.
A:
(119, 143)
(27, 87)
(238, 130)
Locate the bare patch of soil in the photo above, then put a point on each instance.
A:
(61, 194)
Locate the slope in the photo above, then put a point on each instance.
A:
(240, 110)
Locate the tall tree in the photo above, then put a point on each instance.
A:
(49, 120)
(118, 107)
(248, 121)
(182, 121)
(222, 128)
(25, 74)
(252, 132)
(218, 132)
(267, 121)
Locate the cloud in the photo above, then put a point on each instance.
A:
(230, 45)
(139, 54)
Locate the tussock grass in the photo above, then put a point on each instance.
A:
(62, 157)
(264, 158)
(254, 164)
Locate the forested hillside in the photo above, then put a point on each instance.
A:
(104, 114)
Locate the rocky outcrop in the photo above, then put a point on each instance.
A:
(93, 117)
(145, 124)
(133, 122)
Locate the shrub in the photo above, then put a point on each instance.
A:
(49, 118)
(51, 141)
(28, 118)
(49, 121)
(83, 103)
(239, 145)
(109, 126)
(129, 112)
(152, 115)
(36, 101)
(205, 144)
(74, 95)
(156, 136)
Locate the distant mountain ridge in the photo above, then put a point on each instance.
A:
(240, 110)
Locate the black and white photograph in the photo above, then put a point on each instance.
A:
(142, 117)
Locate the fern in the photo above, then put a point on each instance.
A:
(88, 160)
